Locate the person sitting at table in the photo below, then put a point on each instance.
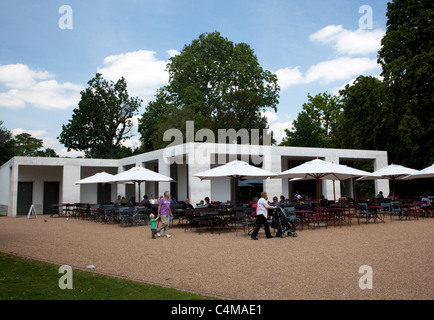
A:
(380, 195)
(426, 202)
(297, 196)
(282, 201)
(275, 203)
(393, 196)
(145, 201)
(117, 201)
(123, 202)
(173, 200)
(255, 205)
(187, 205)
(207, 203)
(201, 204)
(153, 200)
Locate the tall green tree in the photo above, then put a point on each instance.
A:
(26, 145)
(217, 84)
(407, 60)
(363, 121)
(305, 132)
(316, 124)
(102, 120)
(7, 144)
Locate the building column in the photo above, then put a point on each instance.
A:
(163, 168)
(273, 187)
(381, 185)
(71, 191)
(13, 190)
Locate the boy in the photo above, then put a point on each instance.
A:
(153, 225)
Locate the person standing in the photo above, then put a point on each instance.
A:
(261, 217)
(164, 213)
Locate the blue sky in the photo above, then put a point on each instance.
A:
(313, 46)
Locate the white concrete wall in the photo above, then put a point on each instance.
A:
(4, 183)
(38, 177)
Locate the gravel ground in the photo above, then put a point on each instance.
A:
(319, 264)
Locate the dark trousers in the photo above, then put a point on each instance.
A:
(261, 221)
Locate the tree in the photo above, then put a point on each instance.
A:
(316, 124)
(7, 144)
(305, 132)
(26, 145)
(362, 123)
(214, 82)
(407, 60)
(102, 120)
(47, 153)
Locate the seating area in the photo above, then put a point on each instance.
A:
(220, 217)
(110, 214)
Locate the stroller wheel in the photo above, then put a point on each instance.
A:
(294, 235)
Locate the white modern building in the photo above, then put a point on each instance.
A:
(45, 181)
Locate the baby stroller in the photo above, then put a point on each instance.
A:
(283, 224)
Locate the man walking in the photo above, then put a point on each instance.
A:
(164, 213)
(261, 217)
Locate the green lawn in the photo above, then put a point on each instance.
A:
(23, 279)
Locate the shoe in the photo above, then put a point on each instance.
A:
(254, 238)
(158, 234)
(167, 235)
(270, 237)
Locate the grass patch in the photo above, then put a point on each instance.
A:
(24, 279)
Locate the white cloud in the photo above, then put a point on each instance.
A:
(340, 69)
(347, 43)
(289, 77)
(351, 42)
(277, 125)
(36, 88)
(64, 153)
(173, 52)
(143, 72)
(20, 76)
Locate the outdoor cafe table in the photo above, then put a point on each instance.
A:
(302, 214)
(337, 213)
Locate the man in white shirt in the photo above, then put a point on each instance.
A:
(153, 200)
(261, 217)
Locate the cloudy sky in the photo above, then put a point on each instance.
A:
(47, 54)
